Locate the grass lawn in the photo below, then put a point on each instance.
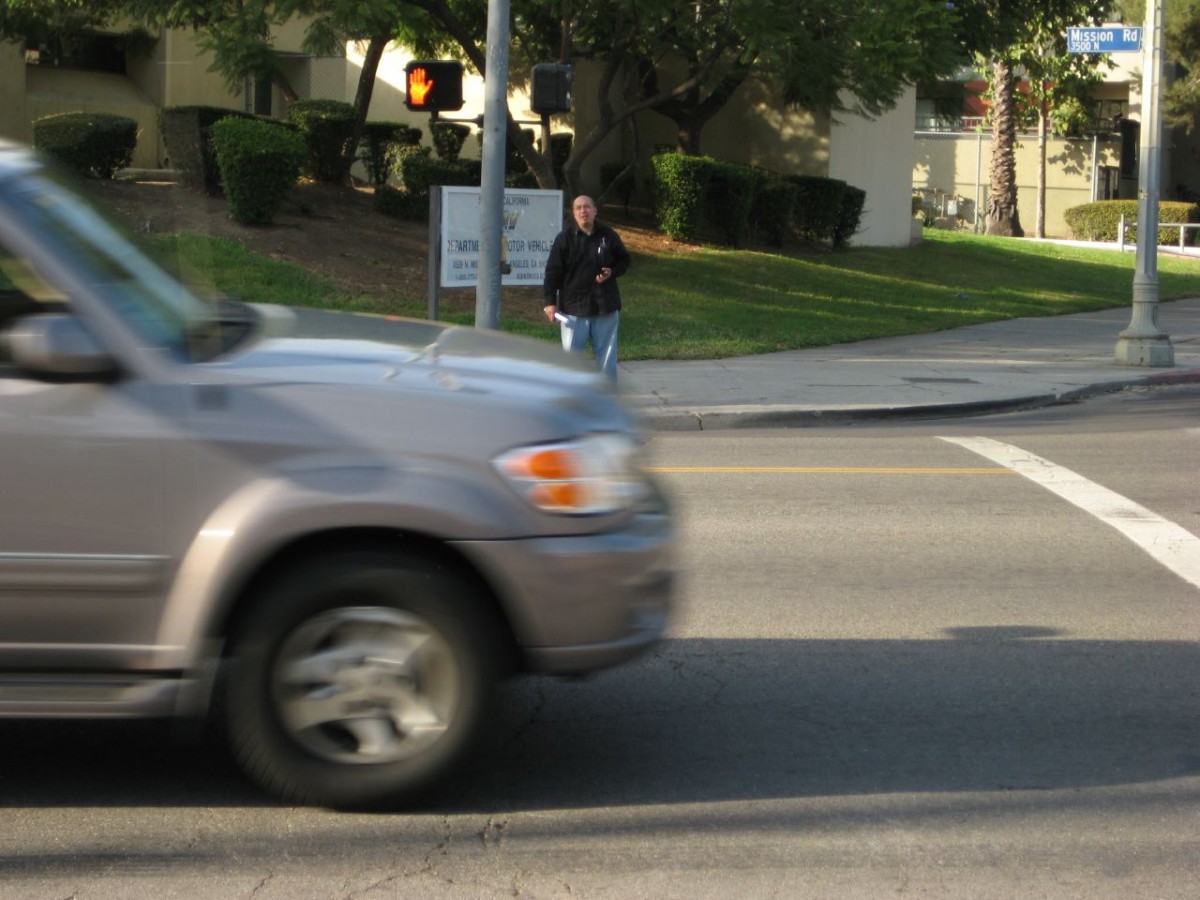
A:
(715, 303)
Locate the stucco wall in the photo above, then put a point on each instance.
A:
(958, 164)
(876, 156)
(14, 121)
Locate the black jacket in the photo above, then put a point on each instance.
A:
(576, 258)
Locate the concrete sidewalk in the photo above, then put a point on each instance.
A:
(1015, 364)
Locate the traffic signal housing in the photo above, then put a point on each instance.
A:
(550, 89)
(433, 85)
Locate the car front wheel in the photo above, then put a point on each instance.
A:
(359, 681)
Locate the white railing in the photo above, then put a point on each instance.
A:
(1182, 226)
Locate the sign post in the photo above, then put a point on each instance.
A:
(1144, 343)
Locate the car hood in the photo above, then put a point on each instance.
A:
(428, 363)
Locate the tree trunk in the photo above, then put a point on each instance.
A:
(362, 96)
(1002, 216)
(1039, 225)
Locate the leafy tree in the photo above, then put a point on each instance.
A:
(1181, 20)
(825, 55)
(1009, 36)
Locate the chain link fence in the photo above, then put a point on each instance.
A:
(950, 177)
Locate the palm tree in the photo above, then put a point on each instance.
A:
(1002, 216)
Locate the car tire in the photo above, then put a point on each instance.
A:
(356, 682)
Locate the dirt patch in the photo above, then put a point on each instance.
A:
(332, 231)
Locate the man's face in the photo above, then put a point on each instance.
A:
(585, 213)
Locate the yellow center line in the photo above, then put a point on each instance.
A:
(830, 470)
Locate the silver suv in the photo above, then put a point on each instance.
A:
(339, 546)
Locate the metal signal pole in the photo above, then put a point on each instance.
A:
(1144, 343)
(491, 196)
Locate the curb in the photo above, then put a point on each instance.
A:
(713, 418)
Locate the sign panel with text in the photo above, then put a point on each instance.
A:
(531, 219)
(1104, 39)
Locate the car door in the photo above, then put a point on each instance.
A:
(82, 520)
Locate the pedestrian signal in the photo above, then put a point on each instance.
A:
(550, 89)
(433, 85)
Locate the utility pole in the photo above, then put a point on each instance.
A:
(491, 192)
(1144, 343)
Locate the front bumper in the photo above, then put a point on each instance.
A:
(584, 602)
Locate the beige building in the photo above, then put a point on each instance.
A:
(754, 128)
(952, 159)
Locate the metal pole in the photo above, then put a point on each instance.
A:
(491, 195)
(1144, 343)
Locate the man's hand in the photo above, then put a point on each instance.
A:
(550, 312)
(418, 87)
(605, 274)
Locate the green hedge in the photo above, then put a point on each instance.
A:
(774, 204)
(419, 173)
(448, 139)
(186, 134)
(818, 207)
(1100, 221)
(378, 145)
(328, 129)
(849, 215)
(729, 201)
(93, 144)
(260, 162)
(680, 187)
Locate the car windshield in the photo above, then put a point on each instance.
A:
(153, 303)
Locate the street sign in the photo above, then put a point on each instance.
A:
(1104, 39)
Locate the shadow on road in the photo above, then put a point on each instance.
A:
(714, 720)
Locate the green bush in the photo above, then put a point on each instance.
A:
(400, 204)
(328, 129)
(186, 133)
(849, 216)
(260, 162)
(93, 144)
(818, 206)
(680, 186)
(773, 208)
(377, 148)
(419, 173)
(448, 139)
(729, 200)
(1100, 221)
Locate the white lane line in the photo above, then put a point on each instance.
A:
(1173, 546)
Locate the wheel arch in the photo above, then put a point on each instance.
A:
(242, 595)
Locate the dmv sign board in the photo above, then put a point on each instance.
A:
(1104, 39)
(531, 220)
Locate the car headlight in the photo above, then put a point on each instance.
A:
(598, 473)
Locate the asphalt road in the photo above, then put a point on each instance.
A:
(899, 668)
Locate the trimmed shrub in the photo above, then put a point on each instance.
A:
(773, 208)
(1100, 221)
(93, 144)
(849, 216)
(730, 199)
(818, 206)
(260, 162)
(448, 139)
(377, 148)
(186, 134)
(328, 129)
(419, 173)
(680, 186)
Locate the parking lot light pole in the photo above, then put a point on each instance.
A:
(1144, 343)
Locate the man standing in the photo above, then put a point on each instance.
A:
(581, 285)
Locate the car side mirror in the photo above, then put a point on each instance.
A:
(57, 345)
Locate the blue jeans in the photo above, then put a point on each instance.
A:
(601, 331)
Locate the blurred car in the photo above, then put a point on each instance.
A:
(337, 545)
